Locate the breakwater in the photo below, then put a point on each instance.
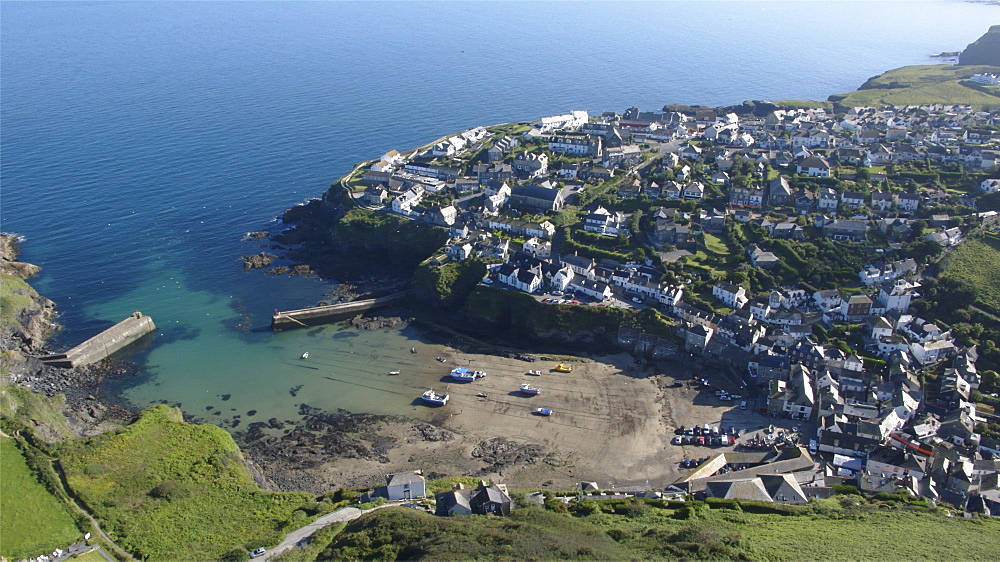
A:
(314, 316)
(104, 344)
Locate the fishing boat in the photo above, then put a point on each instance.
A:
(543, 411)
(563, 368)
(462, 374)
(305, 355)
(434, 398)
(393, 372)
(528, 389)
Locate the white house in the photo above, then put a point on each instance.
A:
(694, 190)
(990, 185)
(596, 289)
(566, 121)
(907, 201)
(405, 486)
(537, 248)
(929, 352)
(409, 199)
(562, 278)
(733, 296)
(814, 167)
(827, 199)
(527, 279)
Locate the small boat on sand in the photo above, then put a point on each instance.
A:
(305, 355)
(483, 395)
(543, 411)
(434, 398)
(393, 372)
(413, 350)
(534, 373)
(528, 389)
(461, 374)
(563, 368)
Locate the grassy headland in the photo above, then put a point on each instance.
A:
(165, 489)
(922, 84)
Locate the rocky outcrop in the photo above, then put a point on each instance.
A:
(985, 50)
(258, 261)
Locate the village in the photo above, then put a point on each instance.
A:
(696, 213)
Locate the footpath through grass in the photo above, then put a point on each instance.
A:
(167, 490)
(32, 520)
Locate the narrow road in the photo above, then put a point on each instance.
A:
(301, 535)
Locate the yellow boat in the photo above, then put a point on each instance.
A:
(563, 368)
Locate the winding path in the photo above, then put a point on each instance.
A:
(301, 535)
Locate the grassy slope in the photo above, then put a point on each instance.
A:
(33, 521)
(920, 84)
(978, 262)
(33, 409)
(205, 501)
(825, 530)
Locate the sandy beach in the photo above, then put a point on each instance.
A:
(613, 418)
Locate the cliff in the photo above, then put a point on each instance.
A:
(26, 318)
(985, 50)
(340, 240)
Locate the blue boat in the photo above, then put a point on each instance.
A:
(528, 389)
(434, 398)
(543, 411)
(462, 374)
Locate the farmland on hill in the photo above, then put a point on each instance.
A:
(977, 262)
(33, 520)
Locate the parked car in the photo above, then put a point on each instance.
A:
(557, 293)
(688, 439)
(677, 440)
(732, 439)
(701, 439)
(257, 553)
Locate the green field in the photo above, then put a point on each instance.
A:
(167, 490)
(715, 244)
(839, 528)
(922, 84)
(977, 261)
(32, 520)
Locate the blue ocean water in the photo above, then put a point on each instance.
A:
(139, 141)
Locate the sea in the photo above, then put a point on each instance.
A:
(141, 141)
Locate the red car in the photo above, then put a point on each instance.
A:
(701, 439)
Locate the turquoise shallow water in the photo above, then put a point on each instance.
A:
(140, 141)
